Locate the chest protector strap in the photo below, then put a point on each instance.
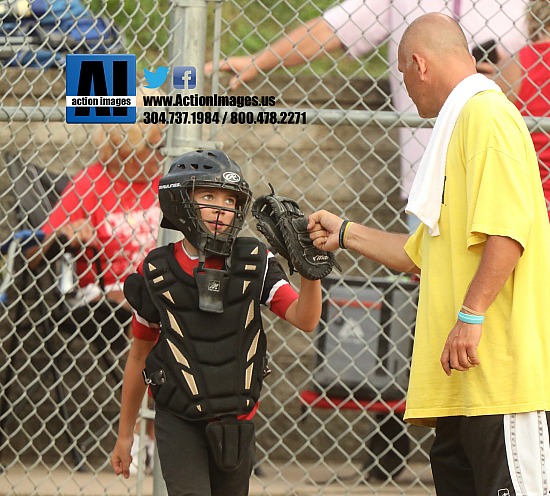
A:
(208, 364)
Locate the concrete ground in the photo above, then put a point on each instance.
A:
(278, 480)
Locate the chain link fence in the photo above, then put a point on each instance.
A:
(330, 420)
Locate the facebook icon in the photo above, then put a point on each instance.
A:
(185, 77)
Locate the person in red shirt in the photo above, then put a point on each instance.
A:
(108, 218)
(198, 334)
(526, 82)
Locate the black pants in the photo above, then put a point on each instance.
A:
(187, 464)
(492, 455)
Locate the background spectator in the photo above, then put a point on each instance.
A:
(526, 81)
(108, 217)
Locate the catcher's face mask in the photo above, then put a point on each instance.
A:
(210, 230)
(219, 217)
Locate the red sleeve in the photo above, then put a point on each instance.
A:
(277, 293)
(141, 329)
(283, 296)
(71, 205)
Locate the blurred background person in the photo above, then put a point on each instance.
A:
(526, 81)
(108, 218)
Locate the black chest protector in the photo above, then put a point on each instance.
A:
(208, 364)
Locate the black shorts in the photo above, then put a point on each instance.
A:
(492, 455)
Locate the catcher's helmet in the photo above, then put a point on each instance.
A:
(204, 169)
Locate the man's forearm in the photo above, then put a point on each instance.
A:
(498, 261)
(385, 248)
(304, 43)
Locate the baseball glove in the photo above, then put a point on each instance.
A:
(284, 225)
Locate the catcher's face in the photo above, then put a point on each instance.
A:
(217, 208)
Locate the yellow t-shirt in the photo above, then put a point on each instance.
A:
(492, 187)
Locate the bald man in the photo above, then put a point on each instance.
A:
(480, 370)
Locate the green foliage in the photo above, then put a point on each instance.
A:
(259, 21)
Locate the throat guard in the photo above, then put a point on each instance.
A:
(208, 364)
(212, 286)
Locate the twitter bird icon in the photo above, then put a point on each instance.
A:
(155, 78)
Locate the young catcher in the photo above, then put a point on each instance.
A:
(198, 338)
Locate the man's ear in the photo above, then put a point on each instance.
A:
(420, 64)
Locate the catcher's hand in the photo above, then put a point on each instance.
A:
(284, 225)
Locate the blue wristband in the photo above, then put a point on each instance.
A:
(470, 319)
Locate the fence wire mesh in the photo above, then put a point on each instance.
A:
(330, 420)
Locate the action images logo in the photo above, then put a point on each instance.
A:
(215, 100)
(101, 89)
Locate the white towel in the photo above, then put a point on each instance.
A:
(427, 189)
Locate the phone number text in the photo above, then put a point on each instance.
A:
(200, 117)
